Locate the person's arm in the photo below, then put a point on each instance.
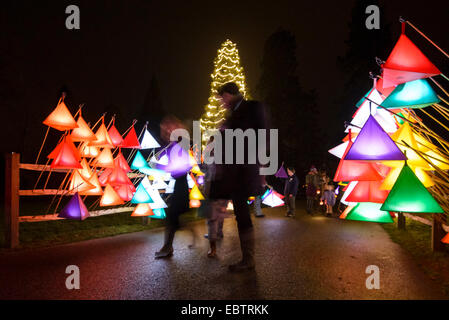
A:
(294, 190)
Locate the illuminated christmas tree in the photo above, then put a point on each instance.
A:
(226, 69)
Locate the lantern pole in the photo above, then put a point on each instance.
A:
(438, 233)
(12, 183)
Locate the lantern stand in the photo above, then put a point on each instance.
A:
(401, 221)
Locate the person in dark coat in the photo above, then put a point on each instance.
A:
(290, 191)
(178, 203)
(239, 181)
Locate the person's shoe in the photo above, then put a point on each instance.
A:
(206, 236)
(213, 250)
(165, 252)
(241, 266)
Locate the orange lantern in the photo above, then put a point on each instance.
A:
(110, 197)
(104, 176)
(118, 176)
(445, 239)
(61, 119)
(66, 157)
(88, 151)
(142, 210)
(102, 138)
(79, 184)
(97, 191)
(83, 132)
(121, 162)
(124, 191)
(115, 136)
(67, 140)
(104, 159)
(345, 212)
(85, 172)
(195, 203)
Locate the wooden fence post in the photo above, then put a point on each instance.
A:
(401, 221)
(12, 183)
(437, 234)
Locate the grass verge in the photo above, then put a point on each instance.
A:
(416, 240)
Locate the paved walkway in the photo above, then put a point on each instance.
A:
(302, 258)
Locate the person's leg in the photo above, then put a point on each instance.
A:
(220, 221)
(292, 206)
(246, 234)
(257, 206)
(172, 224)
(212, 232)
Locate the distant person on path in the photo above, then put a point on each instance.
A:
(328, 198)
(179, 200)
(290, 191)
(239, 181)
(312, 184)
(258, 202)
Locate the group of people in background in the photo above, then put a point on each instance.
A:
(319, 189)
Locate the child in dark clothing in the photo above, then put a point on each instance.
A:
(290, 190)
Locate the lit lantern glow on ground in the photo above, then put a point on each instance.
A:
(61, 119)
(409, 195)
(371, 212)
(102, 138)
(131, 141)
(407, 63)
(75, 209)
(115, 136)
(414, 94)
(148, 141)
(83, 132)
(373, 143)
(141, 195)
(110, 197)
(142, 210)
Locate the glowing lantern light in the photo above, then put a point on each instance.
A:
(437, 160)
(230, 206)
(121, 162)
(66, 141)
(159, 213)
(97, 191)
(355, 170)
(118, 176)
(406, 63)
(142, 210)
(190, 182)
(162, 161)
(124, 191)
(445, 239)
(193, 203)
(339, 150)
(178, 161)
(273, 199)
(115, 136)
(409, 195)
(195, 194)
(104, 159)
(347, 191)
(139, 162)
(79, 184)
(414, 94)
(131, 140)
(105, 176)
(157, 200)
(368, 191)
(66, 158)
(266, 193)
(370, 212)
(393, 175)
(200, 180)
(159, 184)
(281, 173)
(385, 91)
(141, 195)
(85, 172)
(153, 173)
(61, 119)
(88, 151)
(171, 186)
(110, 197)
(373, 143)
(148, 142)
(75, 209)
(102, 138)
(346, 211)
(83, 132)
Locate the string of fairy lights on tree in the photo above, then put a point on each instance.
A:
(226, 69)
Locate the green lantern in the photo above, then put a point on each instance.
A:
(414, 94)
(370, 212)
(409, 195)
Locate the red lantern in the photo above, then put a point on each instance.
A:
(131, 140)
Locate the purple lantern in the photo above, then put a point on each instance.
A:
(281, 173)
(178, 161)
(75, 209)
(373, 143)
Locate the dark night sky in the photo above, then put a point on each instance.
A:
(121, 44)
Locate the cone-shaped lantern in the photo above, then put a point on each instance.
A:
(148, 142)
(195, 194)
(125, 191)
(88, 151)
(371, 212)
(154, 194)
(414, 94)
(131, 140)
(115, 136)
(121, 162)
(194, 203)
(367, 191)
(159, 213)
(142, 210)
(273, 199)
(104, 176)
(141, 195)
(85, 172)
(75, 209)
(97, 191)
(139, 162)
(178, 161)
(347, 191)
(83, 132)
(281, 173)
(373, 143)
(61, 119)
(445, 239)
(102, 138)
(364, 111)
(339, 150)
(406, 63)
(104, 159)
(409, 195)
(118, 176)
(66, 157)
(79, 184)
(346, 211)
(159, 184)
(66, 141)
(110, 197)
